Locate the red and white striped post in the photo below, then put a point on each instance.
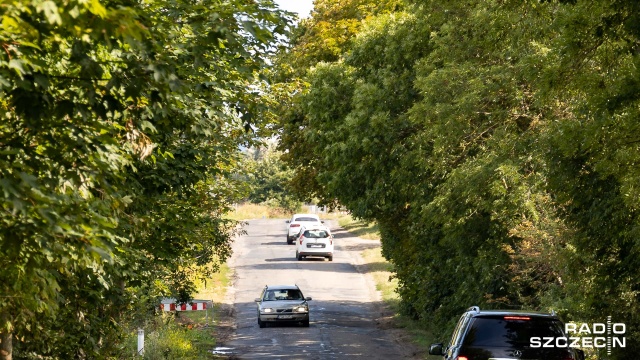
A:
(196, 305)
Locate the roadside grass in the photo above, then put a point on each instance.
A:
(166, 338)
(248, 211)
(359, 228)
(189, 334)
(214, 289)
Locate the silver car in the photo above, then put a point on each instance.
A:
(282, 304)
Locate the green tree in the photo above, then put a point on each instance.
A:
(493, 142)
(268, 178)
(322, 38)
(121, 122)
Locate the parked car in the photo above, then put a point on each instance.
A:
(504, 335)
(297, 221)
(314, 241)
(282, 304)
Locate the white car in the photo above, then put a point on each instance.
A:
(314, 241)
(299, 220)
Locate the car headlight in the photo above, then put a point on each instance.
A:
(267, 310)
(301, 309)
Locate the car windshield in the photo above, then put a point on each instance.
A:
(318, 234)
(274, 295)
(510, 331)
(306, 219)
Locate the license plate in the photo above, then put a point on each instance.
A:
(315, 245)
(285, 316)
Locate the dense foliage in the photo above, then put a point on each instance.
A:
(267, 179)
(495, 144)
(121, 121)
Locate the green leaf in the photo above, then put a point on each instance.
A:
(51, 12)
(95, 7)
(17, 65)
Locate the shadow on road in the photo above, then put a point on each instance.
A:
(275, 243)
(292, 264)
(313, 264)
(341, 234)
(359, 247)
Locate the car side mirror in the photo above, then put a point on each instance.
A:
(257, 300)
(436, 349)
(308, 298)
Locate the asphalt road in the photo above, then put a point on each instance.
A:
(343, 313)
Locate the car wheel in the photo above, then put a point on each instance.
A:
(330, 258)
(305, 323)
(298, 256)
(261, 323)
(289, 242)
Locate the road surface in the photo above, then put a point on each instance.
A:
(343, 313)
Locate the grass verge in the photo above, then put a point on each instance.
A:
(255, 211)
(166, 338)
(359, 228)
(186, 335)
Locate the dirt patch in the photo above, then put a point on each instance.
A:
(386, 321)
(225, 316)
(225, 325)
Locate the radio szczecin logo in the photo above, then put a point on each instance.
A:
(597, 335)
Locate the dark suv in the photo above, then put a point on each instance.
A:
(505, 335)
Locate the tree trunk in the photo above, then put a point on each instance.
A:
(6, 346)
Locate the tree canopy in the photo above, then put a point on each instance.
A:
(493, 142)
(268, 178)
(121, 123)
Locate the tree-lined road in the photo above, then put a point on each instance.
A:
(343, 309)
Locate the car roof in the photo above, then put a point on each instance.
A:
(307, 215)
(314, 227)
(282, 287)
(476, 312)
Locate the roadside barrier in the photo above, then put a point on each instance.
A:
(194, 306)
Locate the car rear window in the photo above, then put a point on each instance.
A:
(318, 234)
(306, 219)
(500, 331)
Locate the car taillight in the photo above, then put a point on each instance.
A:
(517, 318)
(294, 225)
(301, 239)
(462, 358)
